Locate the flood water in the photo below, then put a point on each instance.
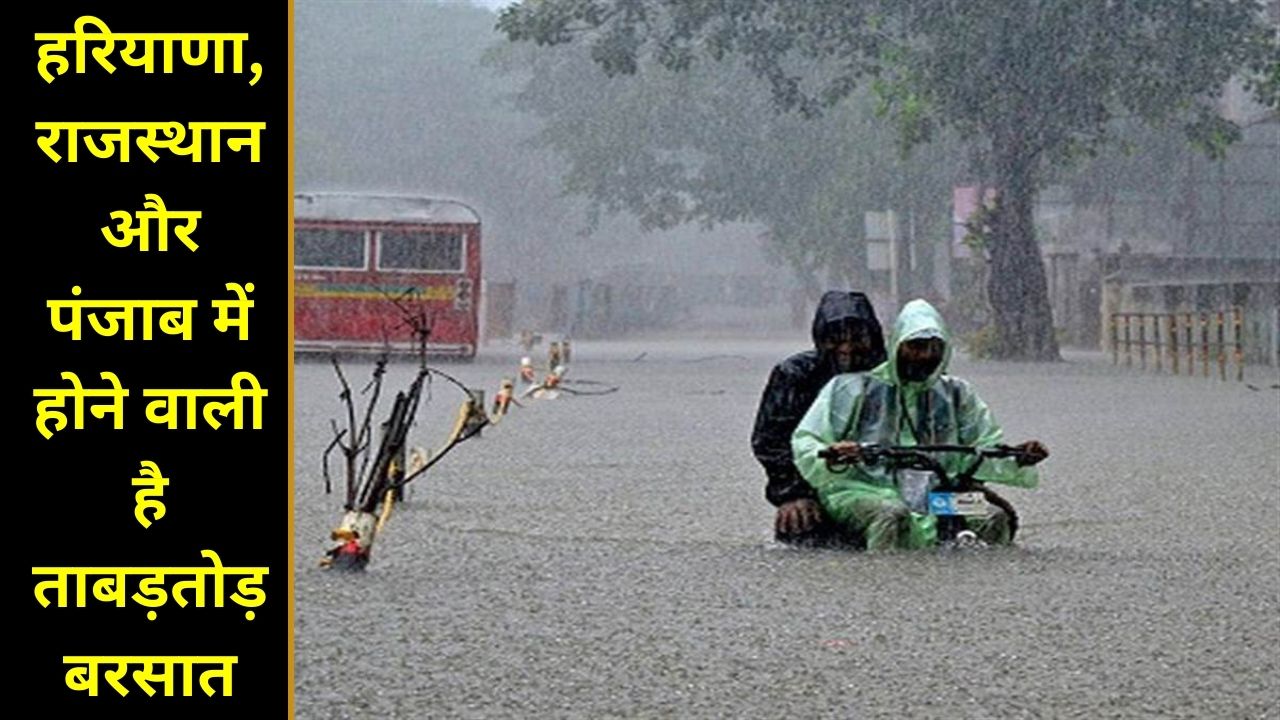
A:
(610, 556)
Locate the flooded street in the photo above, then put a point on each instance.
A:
(611, 556)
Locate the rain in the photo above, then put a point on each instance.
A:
(1088, 196)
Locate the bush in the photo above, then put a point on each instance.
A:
(981, 343)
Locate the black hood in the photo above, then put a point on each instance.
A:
(796, 381)
(840, 308)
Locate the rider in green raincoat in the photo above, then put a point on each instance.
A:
(906, 400)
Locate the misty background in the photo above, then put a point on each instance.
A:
(612, 555)
(769, 209)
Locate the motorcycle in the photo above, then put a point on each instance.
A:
(927, 488)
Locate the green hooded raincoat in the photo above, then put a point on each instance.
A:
(879, 407)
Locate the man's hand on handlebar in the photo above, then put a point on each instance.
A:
(1032, 452)
(844, 452)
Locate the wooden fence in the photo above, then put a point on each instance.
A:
(1178, 341)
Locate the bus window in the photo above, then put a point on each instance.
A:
(329, 248)
(420, 251)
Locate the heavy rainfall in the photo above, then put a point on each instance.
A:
(572, 277)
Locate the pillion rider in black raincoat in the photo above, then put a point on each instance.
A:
(847, 338)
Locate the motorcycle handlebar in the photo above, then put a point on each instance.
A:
(871, 452)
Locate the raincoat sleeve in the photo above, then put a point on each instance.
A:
(978, 427)
(781, 407)
(828, 421)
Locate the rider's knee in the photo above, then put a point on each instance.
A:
(894, 512)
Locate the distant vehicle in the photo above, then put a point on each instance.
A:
(362, 261)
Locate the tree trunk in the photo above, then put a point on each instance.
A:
(1016, 285)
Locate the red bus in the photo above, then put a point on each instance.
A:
(357, 257)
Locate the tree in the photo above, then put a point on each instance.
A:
(707, 146)
(392, 97)
(1033, 83)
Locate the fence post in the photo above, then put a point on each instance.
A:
(1156, 325)
(1191, 349)
(1237, 316)
(1128, 345)
(1142, 341)
(1115, 340)
(1222, 347)
(1204, 342)
(1173, 342)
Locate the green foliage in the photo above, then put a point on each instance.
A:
(980, 344)
(706, 145)
(977, 230)
(1034, 83)
(1061, 68)
(1212, 134)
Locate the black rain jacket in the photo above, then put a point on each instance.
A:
(796, 382)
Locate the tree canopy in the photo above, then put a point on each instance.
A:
(707, 146)
(1031, 84)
